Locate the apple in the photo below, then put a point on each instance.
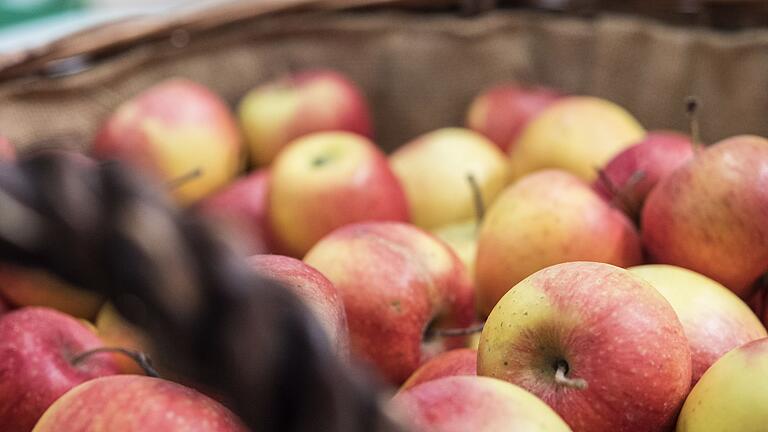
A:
(628, 178)
(316, 290)
(709, 215)
(241, 209)
(462, 238)
(32, 287)
(477, 404)
(135, 403)
(732, 395)
(173, 129)
(326, 180)
(577, 134)
(546, 218)
(434, 170)
(7, 151)
(115, 331)
(502, 111)
(277, 112)
(3, 307)
(39, 361)
(399, 286)
(457, 362)
(598, 344)
(715, 320)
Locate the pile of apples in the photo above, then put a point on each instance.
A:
(552, 266)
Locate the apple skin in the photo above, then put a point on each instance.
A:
(472, 403)
(502, 112)
(316, 290)
(715, 320)
(462, 238)
(37, 346)
(241, 209)
(546, 218)
(396, 282)
(457, 362)
(7, 150)
(578, 134)
(433, 170)
(172, 129)
(610, 327)
(732, 395)
(275, 113)
(656, 156)
(326, 180)
(115, 331)
(33, 287)
(709, 215)
(135, 403)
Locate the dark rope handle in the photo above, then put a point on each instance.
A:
(106, 229)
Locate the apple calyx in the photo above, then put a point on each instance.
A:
(477, 199)
(691, 110)
(141, 358)
(183, 179)
(561, 376)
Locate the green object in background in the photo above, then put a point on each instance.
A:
(16, 11)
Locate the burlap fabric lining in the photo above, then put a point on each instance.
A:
(420, 71)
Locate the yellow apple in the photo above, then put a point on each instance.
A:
(433, 170)
(578, 134)
(462, 238)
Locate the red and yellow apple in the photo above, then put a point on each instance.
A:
(502, 111)
(399, 285)
(326, 180)
(710, 214)
(40, 360)
(628, 178)
(457, 362)
(240, 209)
(715, 320)
(578, 134)
(598, 344)
(135, 403)
(732, 395)
(277, 112)
(434, 170)
(546, 218)
(462, 238)
(314, 289)
(173, 129)
(477, 404)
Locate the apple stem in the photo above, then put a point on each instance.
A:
(692, 109)
(619, 198)
(184, 178)
(477, 198)
(454, 332)
(142, 359)
(562, 379)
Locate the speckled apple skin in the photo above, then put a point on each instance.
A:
(135, 403)
(36, 350)
(457, 362)
(612, 328)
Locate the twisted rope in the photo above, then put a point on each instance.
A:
(106, 229)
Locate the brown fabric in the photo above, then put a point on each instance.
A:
(420, 71)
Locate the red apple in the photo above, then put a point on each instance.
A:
(502, 112)
(135, 403)
(33, 287)
(327, 180)
(171, 130)
(39, 350)
(629, 177)
(546, 218)
(477, 404)
(458, 362)
(116, 331)
(241, 209)
(275, 113)
(710, 214)
(315, 289)
(398, 283)
(7, 151)
(598, 344)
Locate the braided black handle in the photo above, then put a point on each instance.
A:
(104, 228)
